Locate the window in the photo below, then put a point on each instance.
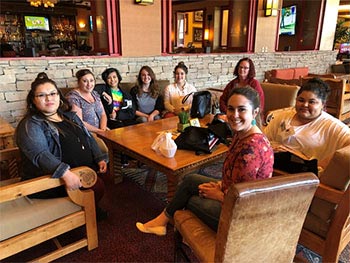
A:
(230, 25)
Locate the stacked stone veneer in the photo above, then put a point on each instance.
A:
(205, 70)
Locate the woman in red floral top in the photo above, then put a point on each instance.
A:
(250, 157)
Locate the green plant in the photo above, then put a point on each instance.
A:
(183, 117)
(342, 33)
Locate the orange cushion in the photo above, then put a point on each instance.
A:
(287, 73)
(300, 72)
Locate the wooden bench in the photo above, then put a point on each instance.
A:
(43, 219)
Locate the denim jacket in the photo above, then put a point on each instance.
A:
(38, 141)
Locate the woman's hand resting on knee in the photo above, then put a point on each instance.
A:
(211, 190)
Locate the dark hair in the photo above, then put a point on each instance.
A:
(316, 86)
(251, 73)
(182, 66)
(41, 79)
(108, 71)
(81, 73)
(154, 88)
(251, 94)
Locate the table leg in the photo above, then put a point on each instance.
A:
(117, 167)
(150, 179)
(172, 185)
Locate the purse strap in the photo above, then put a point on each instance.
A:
(186, 97)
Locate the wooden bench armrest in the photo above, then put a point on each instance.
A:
(28, 187)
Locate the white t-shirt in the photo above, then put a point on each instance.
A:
(173, 96)
(318, 139)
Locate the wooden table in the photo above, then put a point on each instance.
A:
(136, 141)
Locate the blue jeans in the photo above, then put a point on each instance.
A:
(186, 196)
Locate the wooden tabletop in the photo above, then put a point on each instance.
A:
(139, 138)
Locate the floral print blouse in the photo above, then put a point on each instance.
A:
(248, 159)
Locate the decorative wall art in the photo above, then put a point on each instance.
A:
(197, 34)
(198, 16)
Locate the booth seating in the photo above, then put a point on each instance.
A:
(287, 73)
(260, 222)
(326, 230)
(124, 85)
(26, 222)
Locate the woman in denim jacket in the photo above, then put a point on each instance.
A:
(52, 140)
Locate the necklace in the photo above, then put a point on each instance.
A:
(54, 117)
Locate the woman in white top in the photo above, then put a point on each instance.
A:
(307, 130)
(174, 93)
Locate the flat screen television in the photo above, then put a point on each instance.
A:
(288, 20)
(37, 23)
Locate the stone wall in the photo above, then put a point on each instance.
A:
(205, 70)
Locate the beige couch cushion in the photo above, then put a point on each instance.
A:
(336, 175)
(278, 96)
(23, 214)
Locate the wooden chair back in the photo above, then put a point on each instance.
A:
(260, 221)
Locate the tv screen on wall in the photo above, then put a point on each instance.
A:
(288, 20)
(37, 23)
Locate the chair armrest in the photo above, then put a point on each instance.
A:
(329, 194)
(24, 188)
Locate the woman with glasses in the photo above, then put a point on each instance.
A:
(245, 76)
(53, 139)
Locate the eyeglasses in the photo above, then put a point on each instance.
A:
(244, 68)
(43, 96)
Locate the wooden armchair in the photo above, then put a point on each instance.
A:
(26, 222)
(326, 230)
(260, 222)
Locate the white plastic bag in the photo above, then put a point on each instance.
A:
(165, 145)
(168, 147)
(156, 143)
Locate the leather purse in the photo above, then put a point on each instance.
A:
(198, 139)
(201, 103)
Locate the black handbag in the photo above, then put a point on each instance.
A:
(201, 103)
(198, 139)
(221, 129)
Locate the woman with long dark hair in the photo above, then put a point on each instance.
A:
(53, 140)
(146, 96)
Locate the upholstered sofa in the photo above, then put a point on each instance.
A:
(287, 73)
